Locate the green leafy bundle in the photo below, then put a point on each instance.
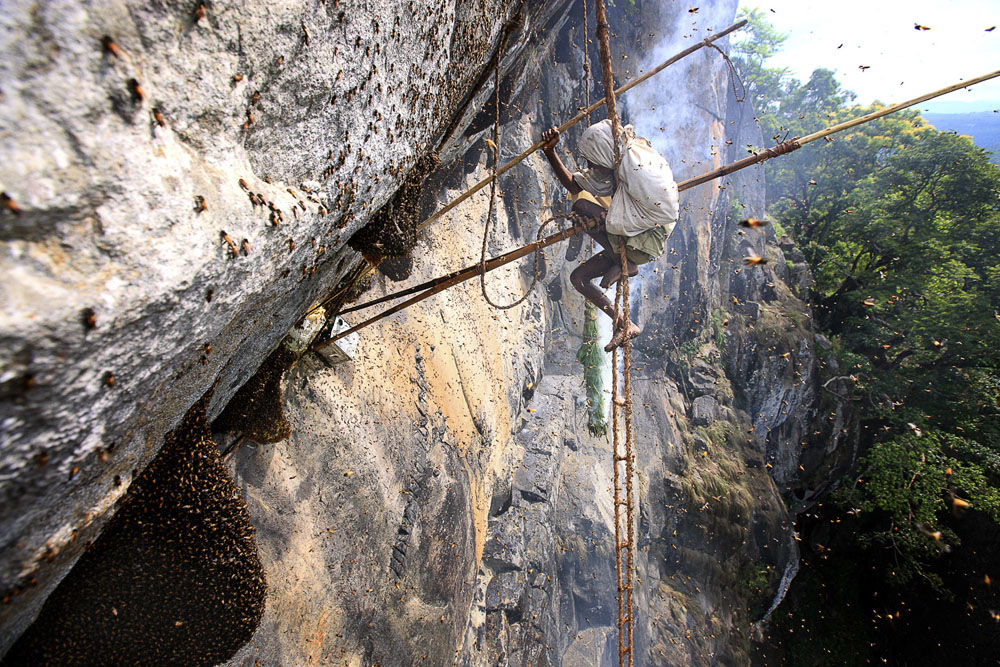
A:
(591, 355)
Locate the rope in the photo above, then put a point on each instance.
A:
(624, 550)
(586, 62)
(734, 76)
(609, 80)
(493, 194)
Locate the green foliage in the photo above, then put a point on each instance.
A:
(759, 42)
(900, 224)
(757, 582)
(591, 356)
(718, 328)
(912, 480)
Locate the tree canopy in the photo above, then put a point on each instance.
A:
(900, 224)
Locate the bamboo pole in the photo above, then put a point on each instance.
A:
(798, 142)
(576, 119)
(896, 107)
(456, 277)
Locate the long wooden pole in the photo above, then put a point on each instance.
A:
(896, 107)
(576, 119)
(456, 277)
(799, 142)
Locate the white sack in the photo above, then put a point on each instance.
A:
(647, 195)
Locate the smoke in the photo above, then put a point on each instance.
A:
(670, 109)
(664, 109)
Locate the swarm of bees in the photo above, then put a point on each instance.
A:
(183, 528)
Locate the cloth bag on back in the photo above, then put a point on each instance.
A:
(647, 194)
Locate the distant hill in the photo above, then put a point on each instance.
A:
(982, 126)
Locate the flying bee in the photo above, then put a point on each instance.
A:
(956, 502)
(753, 260)
(89, 318)
(232, 245)
(934, 535)
(136, 90)
(754, 223)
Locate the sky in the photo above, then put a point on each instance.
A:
(902, 62)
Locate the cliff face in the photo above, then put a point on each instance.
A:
(439, 497)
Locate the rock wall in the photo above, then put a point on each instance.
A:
(439, 498)
(139, 270)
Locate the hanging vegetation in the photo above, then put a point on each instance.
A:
(591, 355)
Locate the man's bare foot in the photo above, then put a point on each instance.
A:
(622, 334)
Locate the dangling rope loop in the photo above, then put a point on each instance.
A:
(493, 194)
(734, 76)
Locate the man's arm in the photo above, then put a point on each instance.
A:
(551, 138)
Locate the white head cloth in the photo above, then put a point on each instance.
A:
(648, 196)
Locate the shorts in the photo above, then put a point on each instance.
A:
(635, 255)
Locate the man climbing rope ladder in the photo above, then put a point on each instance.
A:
(641, 213)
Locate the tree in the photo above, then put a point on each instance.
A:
(758, 42)
(900, 224)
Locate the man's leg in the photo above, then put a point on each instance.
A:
(582, 278)
(623, 331)
(614, 272)
(585, 273)
(592, 211)
(599, 233)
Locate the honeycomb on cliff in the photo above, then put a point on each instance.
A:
(392, 231)
(175, 578)
(256, 409)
